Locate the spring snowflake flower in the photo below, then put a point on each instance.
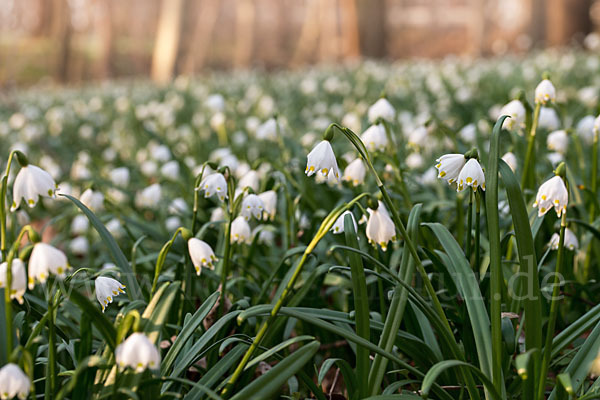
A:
(382, 109)
(92, 199)
(380, 227)
(240, 231)
(149, 197)
(552, 193)
(214, 184)
(558, 141)
(322, 160)
(268, 130)
(355, 172)
(79, 246)
(375, 138)
(269, 200)
(252, 205)
(45, 260)
(571, 241)
(30, 183)
(251, 179)
(120, 176)
(137, 352)
(516, 111)
(13, 382)
(548, 119)
(596, 128)
(18, 282)
(79, 225)
(202, 254)
(471, 175)
(449, 166)
(170, 170)
(107, 289)
(510, 159)
(338, 226)
(545, 92)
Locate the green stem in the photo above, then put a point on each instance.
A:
(160, 261)
(553, 309)
(3, 191)
(51, 376)
(530, 155)
(469, 226)
(225, 266)
(592, 212)
(477, 228)
(8, 310)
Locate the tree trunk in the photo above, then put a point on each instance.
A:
(200, 40)
(372, 20)
(167, 41)
(61, 33)
(244, 30)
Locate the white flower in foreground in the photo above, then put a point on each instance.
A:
(552, 193)
(322, 160)
(380, 227)
(355, 172)
(269, 200)
(92, 199)
(545, 92)
(13, 382)
(18, 282)
(214, 184)
(240, 231)
(202, 254)
(120, 176)
(571, 241)
(516, 111)
(510, 159)
(149, 197)
(558, 141)
(382, 109)
(137, 352)
(30, 183)
(252, 205)
(338, 226)
(375, 138)
(107, 289)
(45, 260)
(449, 166)
(471, 175)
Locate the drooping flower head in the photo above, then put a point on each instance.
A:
(381, 109)
(355, 172)
(18, 282)
(240, 231)
(13, 382)
(375, 138)
(571, 241)
(338, 226)
(202, 255)
(449, 166)
(107, 289)
(552, 193)
(516, 111)
(45, 260)
(214, 184)
(269, 200)
(471, 175)
(322, 160)
(31, 183)
(380, 227)
(137, 352)
(252, 205)
(545, 92)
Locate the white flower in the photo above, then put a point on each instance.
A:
(468, 133)
(79, 246)
(30, 183)
(548, 119)
(597, 126)
(516, 111)
(265, 235)
(114, 227)
(380, 228)
(545, 92)
(382, 109)
(471, 175)
(18, 281)
(44, 260)
(269, 200)
(571, 241)
(252, 205)
(552, 193)
(137, 352)
(202, 254)
(178, 206)
(268, 130)
(558, 141)
(79, 225)
(217, 214)
(338, 226)
(92, 199)
(172, 223)
(240, 231)
(510, 159)
(120, 176)
(160, 153)
(13, 382)
(107, 289)
(214, 184)
(418, 136)
(170, 170)
(554, 158)
(375, 138)
(149, 197)
(449, 166)
(414, 161)
(355, 172)
(322, 159)
(586, 128)
(251, 179)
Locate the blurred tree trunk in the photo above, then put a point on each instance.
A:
(105, 27)
(61, 34)
(44, 25)
(565, 19)
(309, 34)
(167, 40)
(329, 39)
(372, 22)
(202, 33)
(244, 30)
(350, 30)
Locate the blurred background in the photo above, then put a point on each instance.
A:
(72, 41)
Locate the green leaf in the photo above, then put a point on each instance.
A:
(106, 329)
(349, 377)
(438, 368)
(157, 311)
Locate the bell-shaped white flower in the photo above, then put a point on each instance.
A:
(13, 382)
(449, 166)
(107, 289)
(149, 197)
(80, 224)
(250, 179)
(548, 119)
(380, 227)
(571, 241)
(552, 193)
(45, 260)
(558, 141)
(170, 170)
(585, 128)
(338, 226)
(120, 176)
(268, 130)
(269, 200)
(375, 138)
(240, 231)
(355, 172)
(214, 184)
(545, 92)
(30, 183)
(596, 128)
(414, 161)
(418, 136)
(202, 255)
(382, 109)
(322, 160)
(79, 246)
(137, 352)
(18, 281)
(516, 111)
(92, 199)
(471, 175)
(252, 205)
(510, 159)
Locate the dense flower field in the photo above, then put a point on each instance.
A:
(376, 231)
